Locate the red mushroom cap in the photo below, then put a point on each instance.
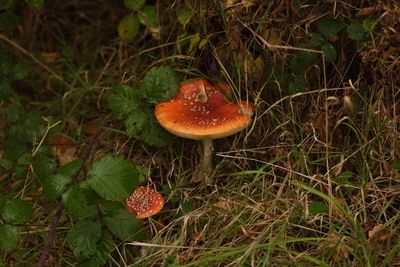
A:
(145, 201)
(191, 114)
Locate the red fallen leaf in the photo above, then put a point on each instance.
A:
(377, 236)
(92, 127)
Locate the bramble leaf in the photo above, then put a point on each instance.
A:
(9, 237)
(122, 223)
(134, 4)
(17, 211)
(122, 100)
(329, 26)
(160, 84)
(113, 178)
(55, 185)
(75, 201)
(82, 238)
(128, 27)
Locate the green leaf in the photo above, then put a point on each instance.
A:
(26, 158)
(135, 122)
(35, 3)
(396, 165)
(27, 129)
(12, 113)
(329, 52)
(20, 172)
(5, 90)
(317, 207)
(9, 20)
(368, 24)
(302, 61)
(113, 178)
(44, 166)
(9, 237)
(4, 4)
(103, 247)
(123, 100)
(75, 201)
(329, 26)
(356, 31)
(17, 211)
(123, 224)
(3, 202)
(82, 238)
(160, 84)
(21, 71)
(128, 27)
(184, 15)
(315, 39)
(13, 149)
(54, 186)
(134, 4)
(298, 84)
(155, 135)
(70, 168)
(148, 16)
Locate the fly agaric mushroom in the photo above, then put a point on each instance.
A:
(200, 111)
(145, 202)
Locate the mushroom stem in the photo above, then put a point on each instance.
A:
(206, 166)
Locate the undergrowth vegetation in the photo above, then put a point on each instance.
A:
(314, 180)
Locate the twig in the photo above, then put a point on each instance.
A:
(26, 52)
(46, 250)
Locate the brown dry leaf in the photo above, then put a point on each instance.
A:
(334, 246)
(339, 167)
(90, 128)
(377, 236)
(49, 58)
(272, 36)
(63, 149)
(365, 11)
(254, 67)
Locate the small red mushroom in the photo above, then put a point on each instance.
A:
(145, 202)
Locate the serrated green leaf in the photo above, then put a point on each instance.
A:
(4, 4)
(160, 84)
(3, 202)
(9, 237)
(35, 3)
(156, 135)
(26, 158)
(21, 71)
(297, 84)
(82, 238)
(113, 178)
(20, 172)
(17, 211)
(329, 26)
(148, 16)
(356, 31)
(54, 186)
(9, 20)
(315, 39)
(134, 122)
(184, 15)
(128, 27)
(396, 165)
(134, 4)
(75, 201)
(329, 52)
(317, 207)
(368, 24)
(27, 128)
(70, 168)
(302, 61)
(123, 100)
(5, 90)
(13, 149)
(103, 247)
(44, 166)
(123, 224)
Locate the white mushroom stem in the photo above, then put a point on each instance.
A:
(206, 166)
